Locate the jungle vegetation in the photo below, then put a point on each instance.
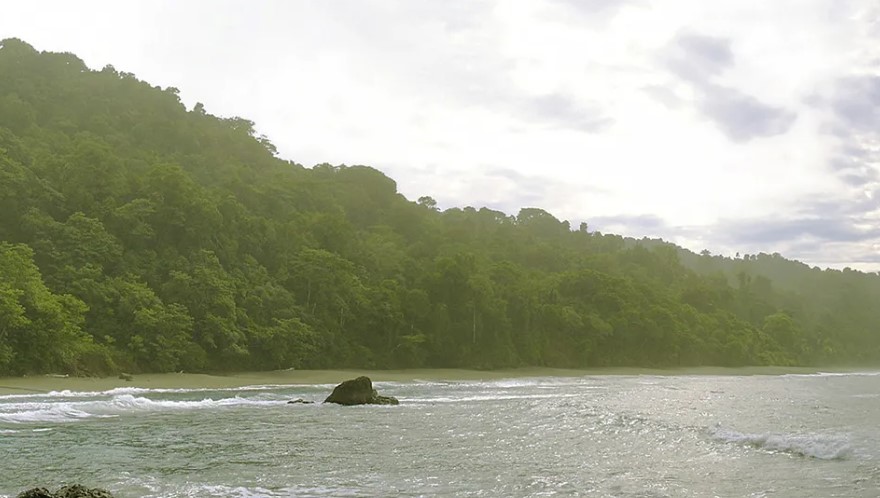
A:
(137, 235)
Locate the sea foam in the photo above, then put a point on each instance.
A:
(143, 390)
(821, 446)
(121, 404)
(835, 374)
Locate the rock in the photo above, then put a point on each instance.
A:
(299, 401)
(384, 400)
(126, 376)
(77, 491)
(358, 392)
(73, 491)
(36, 493)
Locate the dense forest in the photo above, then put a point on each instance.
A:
(138, 236)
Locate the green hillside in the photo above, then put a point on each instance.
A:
(136, 235)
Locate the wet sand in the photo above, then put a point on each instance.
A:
(46, 383)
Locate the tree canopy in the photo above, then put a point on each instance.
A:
(140, 236)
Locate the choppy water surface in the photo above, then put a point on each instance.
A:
(621, 436)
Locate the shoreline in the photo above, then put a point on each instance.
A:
(48, 383)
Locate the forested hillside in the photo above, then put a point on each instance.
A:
(136, 235)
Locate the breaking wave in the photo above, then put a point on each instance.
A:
(820, 446)
(835, 374)
(68, 411)
(143, 390)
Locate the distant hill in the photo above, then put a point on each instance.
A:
(139, 236)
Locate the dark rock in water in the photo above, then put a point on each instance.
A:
(299, 401)
(126, 376)
(77, 491)
(358, 392)
(36, 493)
(384, 400)
(74, 491)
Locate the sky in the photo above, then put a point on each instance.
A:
(732, 126)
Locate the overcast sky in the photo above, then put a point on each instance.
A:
(734, 126)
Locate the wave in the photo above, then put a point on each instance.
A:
(486, 397)
(227, 491)
(148, 489)
(499, 383)
(144, 390)
(849, 374)
(836, 374)
(152, 487)
(541, 382)
(61, 411)
(127, 402)
(821, 446)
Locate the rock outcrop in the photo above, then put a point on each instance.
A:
(73, 491)
(358, 391)
(36, 493)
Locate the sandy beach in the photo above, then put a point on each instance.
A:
(47, 383)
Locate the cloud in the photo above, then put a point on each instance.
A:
(498, 188)
(563, 111)
(509, 190)
(770, 232)
(853, 104)
(819, 242)
(700, 61)
(593, 6)
(742, 117)
(593, 13)
(856, 103)
(854, 170)
(829, 230)
(664, 95)
(452, 56)
(696, 58)
(637, 225)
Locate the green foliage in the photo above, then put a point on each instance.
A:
(143, 237)
(39, 330)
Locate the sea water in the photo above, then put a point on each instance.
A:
(804, 435)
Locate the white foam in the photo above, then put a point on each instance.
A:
(517, 383)
(143, 390)
(487, 397)
(68, 411)
(150, 488)
(45, 412)
(153, 488)
(836, 374)
(231, 491)
(127, 402)
(849, 374)
(821, 446)
(56, 395)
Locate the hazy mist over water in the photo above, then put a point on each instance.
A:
(811, 435)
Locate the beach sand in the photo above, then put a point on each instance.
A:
(46, 383)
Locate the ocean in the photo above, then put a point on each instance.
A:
(797, 435)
